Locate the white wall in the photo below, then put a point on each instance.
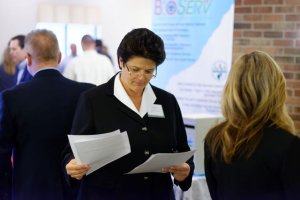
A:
(117, 18)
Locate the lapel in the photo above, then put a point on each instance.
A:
(122, 107)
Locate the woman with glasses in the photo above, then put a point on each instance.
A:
(150, 116)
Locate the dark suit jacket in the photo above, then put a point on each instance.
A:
(271, 173)
(7, 80)
(99, 111)
(36, 117)
(26, 76)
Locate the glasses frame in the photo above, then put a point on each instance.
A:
(143, 73)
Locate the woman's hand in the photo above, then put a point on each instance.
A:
(180, 172)
(76, 170)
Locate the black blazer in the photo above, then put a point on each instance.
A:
(99, 111)
(36, 117)
(271, 173)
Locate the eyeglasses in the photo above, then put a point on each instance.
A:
(134, 71)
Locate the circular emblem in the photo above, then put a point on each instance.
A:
(171, 7)
(219, 70)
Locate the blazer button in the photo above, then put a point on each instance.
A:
(146, 177)
(146, 152)
(144, 129)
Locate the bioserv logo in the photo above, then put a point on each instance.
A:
(181, 7)
(219, 70)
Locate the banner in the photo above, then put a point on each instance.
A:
(198, 41)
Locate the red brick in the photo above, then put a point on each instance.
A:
(261, 42)
(273, 18)
(295, 116)
(243, 42)
(289, 92)
(297, 109)
(263, 26)
(292, 51)
(237, 2)
(295, 35)
(283, 42)
(292, 18)
(294, 84)
(254, 34)
(297, 76)
(252, 2)
(284, 59)
(243, 10)
(283, 26)
(297, 2)
(273, 34)
(237, 34)
(288, 75)
(297, 94)
(262, 9)
(292, 67)
(253, 17)
(242, 26)
(284, 9)
(293, 101)
(273, 2)
(298, 43)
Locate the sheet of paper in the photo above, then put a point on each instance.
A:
(79, 138)
(101, 149)
(160, 160)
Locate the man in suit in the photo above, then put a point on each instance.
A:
(18, 54)
(35, 118)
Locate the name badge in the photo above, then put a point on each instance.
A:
(156, 111)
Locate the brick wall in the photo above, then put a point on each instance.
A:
(272, 26)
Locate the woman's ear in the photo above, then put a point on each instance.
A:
(121, 63)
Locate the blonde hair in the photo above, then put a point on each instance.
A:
(8, 64)
(253, 98)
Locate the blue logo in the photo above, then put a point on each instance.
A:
(219, 70)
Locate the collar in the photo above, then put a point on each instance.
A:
(22, 64)
(148, 98)
(45, 68)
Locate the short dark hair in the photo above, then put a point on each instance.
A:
(21, 39)
(142, 42)
(87, 39)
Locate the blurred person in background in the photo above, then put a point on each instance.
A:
(102, 49)
(18, 54)
(8, 71)
(68, 58)
(90, 67)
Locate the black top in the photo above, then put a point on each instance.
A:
(99, 111)
(271, 173)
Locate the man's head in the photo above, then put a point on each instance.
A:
(87, 43)
(42, 50)
(16, 47)
(73, 49)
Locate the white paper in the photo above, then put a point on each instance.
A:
(80, 138)
(158, 161)
(99, 150)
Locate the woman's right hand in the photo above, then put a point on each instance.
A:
(77, 170)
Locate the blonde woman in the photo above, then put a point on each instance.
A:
(8, 71)
(254, 153)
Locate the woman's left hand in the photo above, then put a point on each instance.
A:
(180, 172)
